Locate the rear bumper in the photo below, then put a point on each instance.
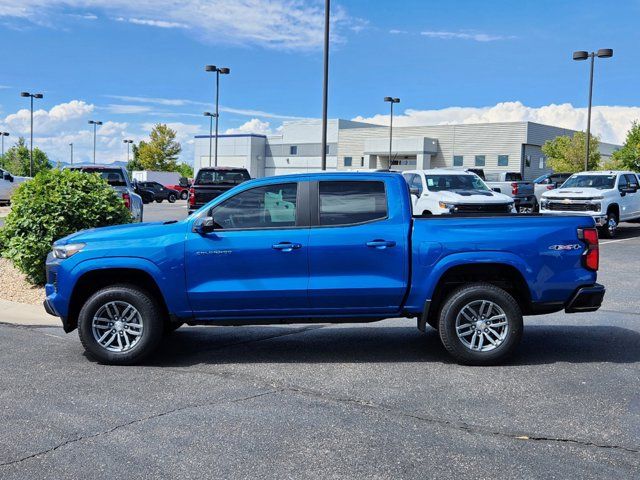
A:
(586, 299)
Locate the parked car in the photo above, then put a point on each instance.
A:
(160, 192)
(8, 185)
(609, 197)
(547, 182)
(118, 178)
(443, 192)
(326, 247)
(147, 195)
(211, 182)
(511, 184)
(182, 187)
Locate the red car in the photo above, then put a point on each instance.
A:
(182, 188)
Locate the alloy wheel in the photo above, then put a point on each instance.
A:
(482, 325)
(117, 326)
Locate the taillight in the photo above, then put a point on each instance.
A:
(127, 200)
(192, 197)
(514, 189)
(550, 187)
(591, 256)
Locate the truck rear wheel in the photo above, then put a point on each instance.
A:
(184, 194)
(120, 325)
(480, 324)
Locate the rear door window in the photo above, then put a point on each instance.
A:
(220, 177)
(351, 203)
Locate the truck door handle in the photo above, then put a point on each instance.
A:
(381, 244)
(286, 246)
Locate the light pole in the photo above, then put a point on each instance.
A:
(391, 101)
(582, 55)
(211, 117)
(95, 124)
(325, 82)
(218, 71)
(128, 142)
(2, 135)
(71, 148)
(32, 96)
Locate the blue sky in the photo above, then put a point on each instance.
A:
(132, 64)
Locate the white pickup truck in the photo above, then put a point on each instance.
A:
(8, 184)
(511, 184)
(445, 191)
(609, 197)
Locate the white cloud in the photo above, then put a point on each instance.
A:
(119, 109)
(475, 36)
(609, 122)
(254, 125)
(48, 121)
(152, 23)
(278, 24)
(394, 31)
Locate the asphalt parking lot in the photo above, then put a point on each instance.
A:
(318, 401)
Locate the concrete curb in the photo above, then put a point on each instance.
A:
(25, 314)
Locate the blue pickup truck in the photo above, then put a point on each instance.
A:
(329, 248)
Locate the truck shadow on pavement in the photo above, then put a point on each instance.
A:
(626, 230)
(362, 344)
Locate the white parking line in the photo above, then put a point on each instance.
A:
(616, 241)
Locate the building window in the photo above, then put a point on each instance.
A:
(527, 161)
(293, 150)
(348, 161)
(541, 163)
(458, 160)
(503, 160)
(479, 160)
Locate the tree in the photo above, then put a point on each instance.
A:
(17, 160)
(162, 150)
(628, 156)
(566, 154)
(185, 170)
(134, 163)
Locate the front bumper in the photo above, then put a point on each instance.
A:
(599, 218)
(586, 299)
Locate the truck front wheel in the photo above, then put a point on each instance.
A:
(609, 229)
(120, 325)
(480, 324)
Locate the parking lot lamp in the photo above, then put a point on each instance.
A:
(95, 124)
(391, 101)
(211, 117)
(128, 142)
(583, 55)
(32, 96)
(218, 71)
(325, 82)
(2, 135)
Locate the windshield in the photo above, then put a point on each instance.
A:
(113, 176)
(215, 177)
(437, 183)
(601, 182)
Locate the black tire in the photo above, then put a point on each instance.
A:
(158, 200)
(172, 198)
(152, 315)
(184, 195)
(464, 296)
(426, 213)
(170, 327)
(610, 229)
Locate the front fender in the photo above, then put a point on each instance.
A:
(170, 282)
(426, 277)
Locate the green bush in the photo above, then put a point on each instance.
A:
(51, 206)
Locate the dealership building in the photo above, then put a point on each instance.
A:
(296, 148)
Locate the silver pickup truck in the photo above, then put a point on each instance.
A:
(511, 184)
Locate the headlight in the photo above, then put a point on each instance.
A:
(66, 251)
(447, 206)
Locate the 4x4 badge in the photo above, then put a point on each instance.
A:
(574, 246)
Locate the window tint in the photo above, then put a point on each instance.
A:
(512, 177)
(479, 160)
(453, 182)
(216, 177)
(632, 180)
(293, 150)
(416, 182)
(261, 207)
(622, 182)
(348, 161)
(601, 182)
(458, 160)
(503, 160)
(114, 177)
(345, 203)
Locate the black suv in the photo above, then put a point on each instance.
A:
(160, 192)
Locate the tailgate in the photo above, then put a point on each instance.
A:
(525, 188)
(205, 194)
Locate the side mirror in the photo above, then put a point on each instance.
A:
(7, 176)
(204, 225)
(414, 191)
(496, 189)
